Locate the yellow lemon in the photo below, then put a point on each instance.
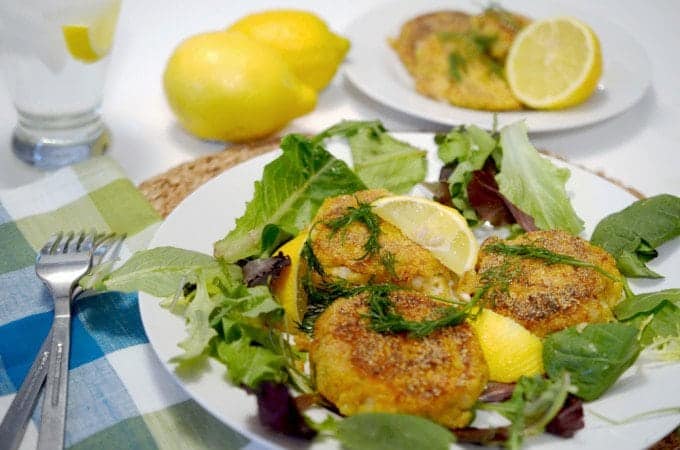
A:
(226, 86)
(510, 349)
(433, 226)
(92, 41)
(303, 40)
(285, 287)
(554, 63)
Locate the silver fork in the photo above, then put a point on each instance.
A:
(61, 263)
(13, 426)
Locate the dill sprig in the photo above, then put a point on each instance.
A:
(363, 213)
(384, 319)
(532, 251)
(457, 65)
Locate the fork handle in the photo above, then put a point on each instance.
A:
(53, 418)
(14, 423)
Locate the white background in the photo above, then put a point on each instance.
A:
(640, 147)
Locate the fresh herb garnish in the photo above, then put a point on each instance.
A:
(457, 66)
(483, 41)
(532, 251)
(363, 213)
(384, 319)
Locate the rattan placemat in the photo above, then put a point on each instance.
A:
(167, 190)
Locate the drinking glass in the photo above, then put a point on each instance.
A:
(53, 54)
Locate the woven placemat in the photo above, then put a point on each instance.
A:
(167, 190)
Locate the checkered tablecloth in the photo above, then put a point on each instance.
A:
(120, 397)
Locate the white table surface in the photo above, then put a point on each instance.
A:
(640, 147)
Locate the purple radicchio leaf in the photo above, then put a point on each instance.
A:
(491, 205)
(497, 392)
(277, 410)
(258, 271)
(569, 420)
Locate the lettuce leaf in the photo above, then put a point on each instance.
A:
(467, 149)
(633, 234)
(534, 184)
(595, 357)
(380, 160)
(655, 314)
(292, 188)
(160, 271)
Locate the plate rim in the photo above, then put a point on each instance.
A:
(452, 115)
(275, 441)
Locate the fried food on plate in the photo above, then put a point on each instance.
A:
(458, 58)
(500, 27)
(419, 28)
(451, 67)
(397, 259)
(439, 376)
(546, 297)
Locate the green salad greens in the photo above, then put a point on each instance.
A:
(238, 322)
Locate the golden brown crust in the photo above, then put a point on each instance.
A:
(342, 253)
(544, 297)
(420, 27)
(439, 377)
(427, 42)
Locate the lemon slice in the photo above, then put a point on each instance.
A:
(554, 63)
(91, 42)
(285, 286)
(510, 350)
(433, 226)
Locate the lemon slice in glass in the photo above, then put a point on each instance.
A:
(440, 229)
(92, 41)
(554, 63)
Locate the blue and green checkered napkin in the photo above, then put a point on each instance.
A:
(120, 396)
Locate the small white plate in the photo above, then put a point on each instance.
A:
(375, 69)
(209, 213)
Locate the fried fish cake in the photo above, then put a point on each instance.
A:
(398, 260)
(451, 67)
(546, 297)
(420, 27)
(499, 27)
(439, 376)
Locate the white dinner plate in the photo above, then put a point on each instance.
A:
(209, 213)
(375, 69)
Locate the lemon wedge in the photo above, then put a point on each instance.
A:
(510, 350)
(440, 229)
(554, 63)
(285, 287)
(91, 42)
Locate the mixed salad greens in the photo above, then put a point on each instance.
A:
(493, 176)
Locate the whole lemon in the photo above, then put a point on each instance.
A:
(226, 86)
(303, 39)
